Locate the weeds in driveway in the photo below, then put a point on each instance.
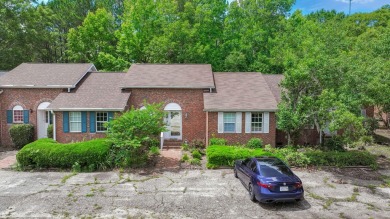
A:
(326, 179)
(372, 188)
(65, 178)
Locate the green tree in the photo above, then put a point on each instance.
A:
(94, 36)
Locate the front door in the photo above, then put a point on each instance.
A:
(44, 119)
(173, 124)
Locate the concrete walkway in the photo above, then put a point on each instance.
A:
(169, 159)
(7, 159)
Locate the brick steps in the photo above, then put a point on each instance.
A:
(172, 144)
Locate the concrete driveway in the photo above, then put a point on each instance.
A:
(182, 194)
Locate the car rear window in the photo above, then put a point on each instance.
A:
(275, 171)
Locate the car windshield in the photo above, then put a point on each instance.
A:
(273, 168)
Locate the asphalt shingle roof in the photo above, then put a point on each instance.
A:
(240, 91)
(273, 82)
(169, 76)
(35, 75)
(99, 91)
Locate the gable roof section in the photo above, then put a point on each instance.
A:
(273, 81)
(169, 76)
(240, 92)
(34, 75)
(99, 91)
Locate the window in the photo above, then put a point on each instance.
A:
(229, 122)
(101, 119)
(17, 114)
(75, 121)
(257, 122)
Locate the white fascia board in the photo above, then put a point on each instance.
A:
(86, 109)
(173, 87)
(240, 110)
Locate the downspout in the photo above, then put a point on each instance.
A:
(54, 125)
(207, 128)
(1, 123)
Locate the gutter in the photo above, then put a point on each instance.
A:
(86, 109)
(171, 87)
(240, 110)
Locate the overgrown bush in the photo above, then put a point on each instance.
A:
(219, 155)
(370, 125)
(254, 143)
(335, 143)
(154, 151)
(22, 134)
(133, 134)
(50, 131)
(217, 141)
(47, 153)
(185, 147)
(341, 159)
(197, 143)
(196, 154)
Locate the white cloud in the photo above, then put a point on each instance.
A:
(356, 1)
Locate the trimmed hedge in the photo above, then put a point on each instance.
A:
(22, 134)
(220, 155)
(48, 153)
(341, 159)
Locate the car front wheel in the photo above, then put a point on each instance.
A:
(251, 193)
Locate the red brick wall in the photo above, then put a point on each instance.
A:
(242, 138)
(29, 99)
(190, 101)
(71, 136)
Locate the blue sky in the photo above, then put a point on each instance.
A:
(308, 6)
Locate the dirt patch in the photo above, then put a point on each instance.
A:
(356, 173)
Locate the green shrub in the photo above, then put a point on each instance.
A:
(335, 143)
(133, 134)
(341, 159)
(22, 134)
(48, 153)
(154, 151)
(219, 155)
(185, 158)
(50, 131)
(195, 161)
(197, 143)
(76, 167)
(370, 125)
(254, 143)
(217, 141)
(196, 154)
(185, 147)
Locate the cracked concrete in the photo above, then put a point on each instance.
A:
(179, 194)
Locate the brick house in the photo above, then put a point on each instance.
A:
(199, 103)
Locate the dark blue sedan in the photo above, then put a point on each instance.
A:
(268, 179)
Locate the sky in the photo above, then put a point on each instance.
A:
(308, 6)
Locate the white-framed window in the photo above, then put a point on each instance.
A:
(229, 122)
(256, 122)
(75, 121)
(17, 114)
(101, 119)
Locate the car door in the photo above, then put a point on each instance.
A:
(241, 169)
(247, 173)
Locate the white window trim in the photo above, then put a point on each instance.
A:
(17, 108)
(262, 122)
(237, 122)
(70, 122)
(96, 120)
(265, 123)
